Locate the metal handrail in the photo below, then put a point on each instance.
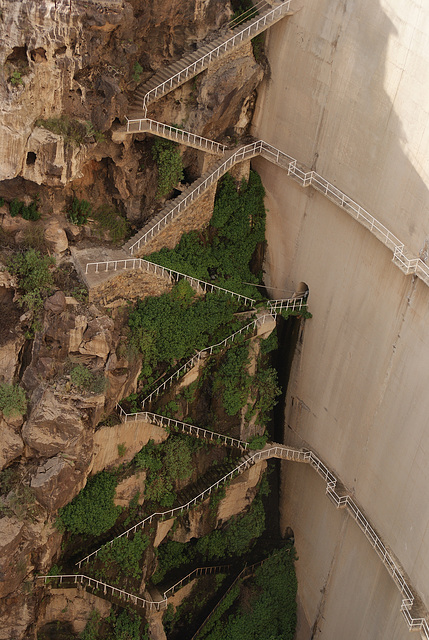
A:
(173, 133)
(207, 351)
(305, 179)
(201, 63)
(185, 427)
(340, 501)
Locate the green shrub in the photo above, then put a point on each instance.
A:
(169, 163)
(85, 380)
(137, 72)
(30, 212)
(92, 511)
(267, 611)
(112, 221)
(223, 253)
(258, 442)
(13, 401)
(34, 277)
(232, 378)
(74, 132)
(171, 326)
(125, 554)
(79, 211)
(16, 79)
(165, 463)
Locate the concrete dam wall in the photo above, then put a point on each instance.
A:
(349, 97)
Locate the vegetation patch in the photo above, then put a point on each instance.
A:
(170, 327)
(223, 253)
(34, 277)
(170, 166)
(165, 463)
(86, 380)
(266, 608)
(92, 511)
(13, 401)
(73, 131)
(28, 212)
(122, 559)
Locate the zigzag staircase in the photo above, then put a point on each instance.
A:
(192, 64)
(410, 605)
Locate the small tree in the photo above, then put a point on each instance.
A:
(12, 400)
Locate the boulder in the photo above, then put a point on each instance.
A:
(53, 426)
(56, 482)
(76, 334)
(56, 237)
(11, 557)
(97, 339)
(12, 444)
(56, 303)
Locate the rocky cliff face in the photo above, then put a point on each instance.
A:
(68, 68)
(71, 67)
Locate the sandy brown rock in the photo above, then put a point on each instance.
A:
(56, 237)
(127, 489)
(11, 444)
(56, 303)
(56, 482)
(53, 426)
(97, 339)
(75, 605)
(13, 560)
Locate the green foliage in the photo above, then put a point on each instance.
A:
(170, 166)
(137, 71)
(170, 556)
(34, 277)
(122, 450)
(91, 628)
(269, 344)
(232, 379)
(223, 252)
(258, 442)
(124, 556)
(170, 327)
(16, 79)
(258, 43)
(108, 219)
(238, 536)
(127, 627)
(92, 511)
(30, 212)
(74, 132)
(79, 211)
(85, 380)
(266, 385)
(13, 401)
(271, 612)
(165, 463)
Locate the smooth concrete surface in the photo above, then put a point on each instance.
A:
(349, 96)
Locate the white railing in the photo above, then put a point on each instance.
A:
(105, 589)
(240, 154)
(341, 501)
(230, 43)
(201, 354)
(171, 513)
(184, 427)
(200, 571)
(305, 179)
(145, 125)
(157, 269)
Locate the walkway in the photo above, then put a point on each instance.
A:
(335, 491)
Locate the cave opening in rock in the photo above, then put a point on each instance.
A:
(31, 157)
(19, 54)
